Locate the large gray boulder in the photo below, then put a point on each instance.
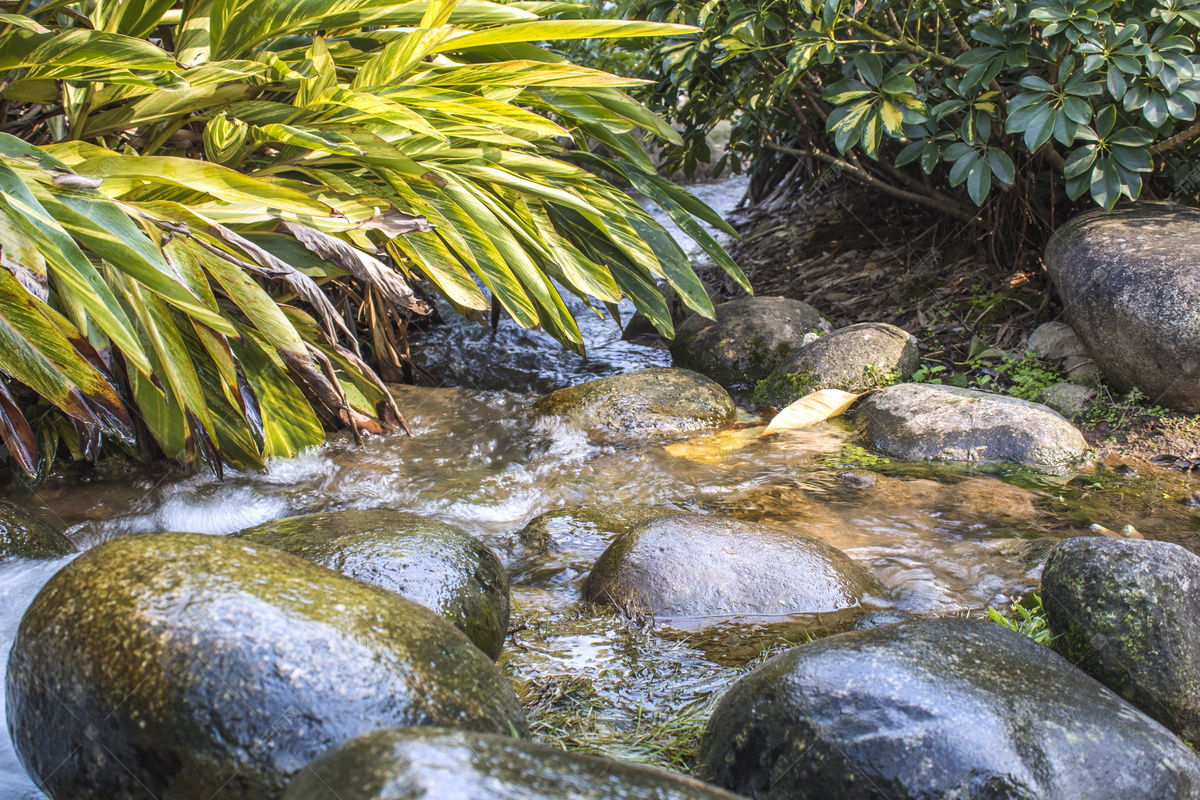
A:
(1129, 281)
(439, 764)
(25, 535)
(437, 565)
(854, 359)
(697, 570)
(748, 339)
(922, 421)
(647, 404)
(946, 708)
(186, 667)
(1128, 612)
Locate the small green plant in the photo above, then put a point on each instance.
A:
(1026, 617)
(880, 379)
(1119, 412)
(854, 456)
(1028, 377)
(927, 373)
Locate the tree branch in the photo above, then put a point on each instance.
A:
(1177, 139)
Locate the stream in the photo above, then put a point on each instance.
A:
(941, 540)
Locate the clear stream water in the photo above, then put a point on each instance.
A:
(479, 460)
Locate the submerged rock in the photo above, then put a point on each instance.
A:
(854, 359)
(946, 708)
(1128, 612)
(25, 535)
(1130, 285)
(746, 342)
(429, 562)
(922, 421)
(183, 665)
(568, 528)
(990, 499)
(690, 569)
(655, 403)
(439, 764)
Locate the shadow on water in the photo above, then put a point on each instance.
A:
(941, 539)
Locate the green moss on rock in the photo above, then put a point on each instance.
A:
(24, 535)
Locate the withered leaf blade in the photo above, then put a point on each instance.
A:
(364, 266)
(16, 434)
(393, 222)
(811, 409)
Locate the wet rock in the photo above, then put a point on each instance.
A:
(854, 359)
(427, 762)
(749, 338)
(179, 665)
(1130, 288)
(946, 708)
(990, 499)
(1056, 341)
(429, 562)
(1068, 399)
(655, 403)
(694, 570)
(569, 528)
(25, 535)
(921, 421)
(1127, 611)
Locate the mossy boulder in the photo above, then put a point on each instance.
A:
(429, 562)
(695, 570)
(748, 339)
(648, 404)
(854, 359)
(584, 528)
(640, 327)
(914, 421)
(25, 535)
(438, 764)
(1128, 612)
(1129, 280)
(944, 708)
(187, 667)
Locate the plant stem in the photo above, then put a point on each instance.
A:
(1177, 139)
(903, 44)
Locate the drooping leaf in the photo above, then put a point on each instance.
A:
(811, 409)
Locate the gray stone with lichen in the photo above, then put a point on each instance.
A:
(1128, 612)
(853, 359)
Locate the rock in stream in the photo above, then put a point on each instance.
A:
(947, 708)
(429, 562)
(192, 667)
(25, 535)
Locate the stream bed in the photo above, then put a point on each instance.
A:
(940, 540)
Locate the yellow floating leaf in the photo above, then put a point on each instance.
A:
(714, 448)
(811, 409)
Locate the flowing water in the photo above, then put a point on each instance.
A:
(940, 540)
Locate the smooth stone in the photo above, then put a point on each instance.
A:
(1127, 611)
(654, 404)
(439, 764)
(1057, 341)
(914, 421)
(1129, 281)
(24, 535)
(437, 565)
(748, 339)
(944, 708)
(690, 570)
(853, 359)
(1068, 399)
(189, 667)
(584, 527)
(876, 619)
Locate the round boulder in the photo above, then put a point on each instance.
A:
(1127, 612)
(655, 403)
(1129, 281)
(748, 339)
(439, 764)
(586, 527)
(186, 667)
(429, 562)
(693, 569)
(25, 535)
(914, 421)
(945, 708)
(854, 359)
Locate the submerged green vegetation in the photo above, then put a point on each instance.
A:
(214, 218)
